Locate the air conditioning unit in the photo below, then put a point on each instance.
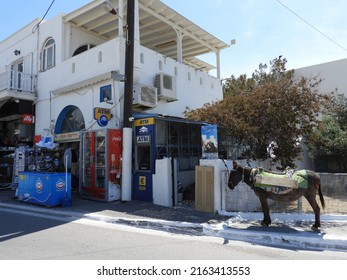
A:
(144, 96)
(166, 85)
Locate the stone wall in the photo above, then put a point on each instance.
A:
(334, 189)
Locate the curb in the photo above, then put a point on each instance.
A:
(299, 240)
(151, 223)
(276, 239)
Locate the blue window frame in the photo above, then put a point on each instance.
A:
(105, 93)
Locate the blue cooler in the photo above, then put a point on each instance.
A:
(48, 189)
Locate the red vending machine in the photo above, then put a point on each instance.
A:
(101, 164)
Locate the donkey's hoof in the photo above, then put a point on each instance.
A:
(263, 223)
(315, 228)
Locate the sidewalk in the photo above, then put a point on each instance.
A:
(290, 230)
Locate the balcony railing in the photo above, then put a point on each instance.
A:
(18, 81)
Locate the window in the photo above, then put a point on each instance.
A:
(83, 48)
(179, 140)
(105, 93)
(48, 55)
(69, 120)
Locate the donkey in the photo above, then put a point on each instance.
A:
(243, 173)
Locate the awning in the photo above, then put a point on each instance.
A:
(159, 26)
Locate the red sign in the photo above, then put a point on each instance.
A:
(37, 138)
(27, 119)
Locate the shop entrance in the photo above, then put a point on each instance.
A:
(16, 130)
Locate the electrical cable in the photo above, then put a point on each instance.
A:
(37, 25)
(312, 26)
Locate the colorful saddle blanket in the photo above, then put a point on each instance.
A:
(264, 178)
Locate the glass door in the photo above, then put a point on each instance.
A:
(88, 160)
(100, 159)
(16, 75)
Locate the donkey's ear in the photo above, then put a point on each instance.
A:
(234, 164)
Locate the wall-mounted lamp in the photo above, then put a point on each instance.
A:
(117, 76)
(16, 52)
(109, 8)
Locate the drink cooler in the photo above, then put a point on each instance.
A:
(47, 189)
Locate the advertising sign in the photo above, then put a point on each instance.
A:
(102, 116)
(28, 119)
(209, 142)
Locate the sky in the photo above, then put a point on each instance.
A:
(305, 32)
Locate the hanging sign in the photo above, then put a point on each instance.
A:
(28, 119)
(102, 115)
(69, 136)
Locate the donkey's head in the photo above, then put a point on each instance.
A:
(235, 176)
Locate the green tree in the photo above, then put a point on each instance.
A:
(328, 142)
(269, 106)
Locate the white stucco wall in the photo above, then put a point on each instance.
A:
(201, 88)
(25, 41)
(333, 75)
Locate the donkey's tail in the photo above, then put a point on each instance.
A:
(321, 196)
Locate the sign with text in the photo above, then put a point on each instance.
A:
(70, 136)
(144, 139)
(144, 122)
(102, 115)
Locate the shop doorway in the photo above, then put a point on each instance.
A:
(67, 132)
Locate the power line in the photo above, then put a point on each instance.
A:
(37, 25)
(309, 24)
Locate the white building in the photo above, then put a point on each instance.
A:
(68, 72)
(69, 65)
(332, 74)
(333, 78)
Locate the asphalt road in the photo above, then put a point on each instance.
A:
(34, 236)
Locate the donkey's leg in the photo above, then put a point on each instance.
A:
(266, 212)
(312, 200)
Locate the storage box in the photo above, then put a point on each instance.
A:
(48, 189)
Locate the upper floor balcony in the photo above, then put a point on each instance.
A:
(96, 64)
(18, 85)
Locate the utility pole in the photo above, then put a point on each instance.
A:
(128, 103)
(129, 65)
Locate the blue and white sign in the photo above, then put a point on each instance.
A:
(209, 141)
(102, 121)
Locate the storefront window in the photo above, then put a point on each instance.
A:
(179, 140)
(70, 120)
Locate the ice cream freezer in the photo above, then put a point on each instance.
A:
(48, 189)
